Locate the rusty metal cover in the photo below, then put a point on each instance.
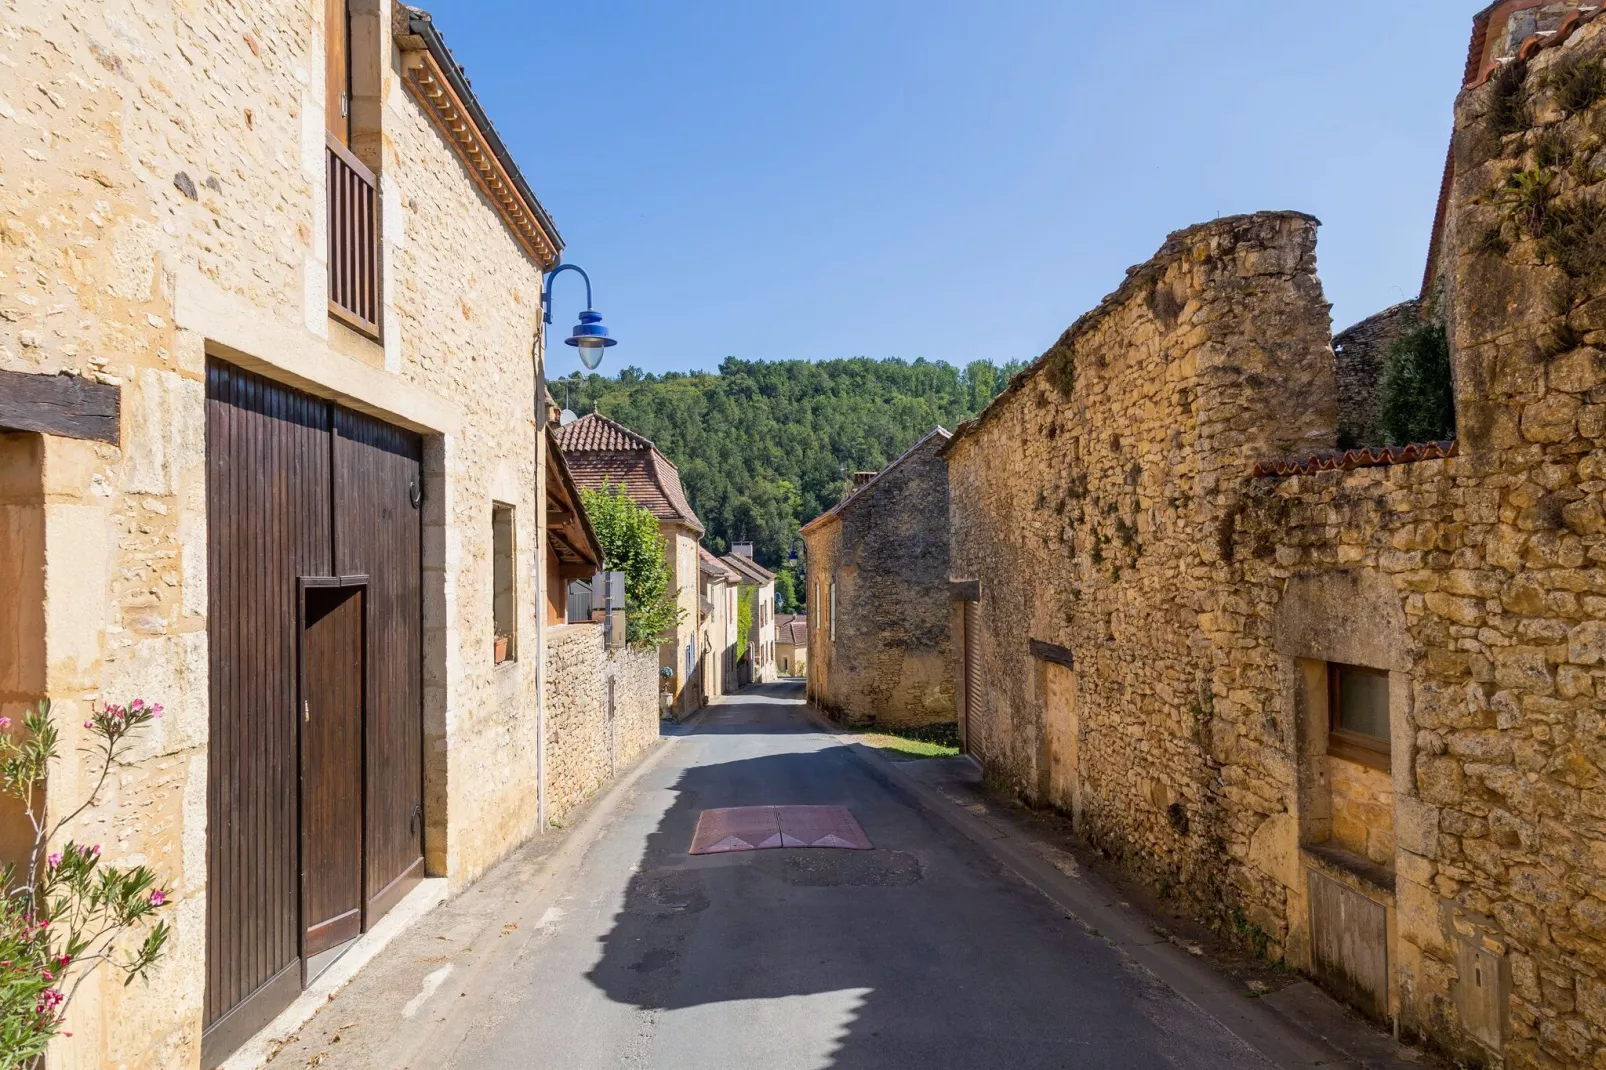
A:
(757, 828)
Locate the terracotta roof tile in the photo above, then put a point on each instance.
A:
(1365, 457)
(713, 566)
(600, 451)
(792, 628)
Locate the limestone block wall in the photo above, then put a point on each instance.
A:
(1089, 503)
(162, 200)
(1105, 506)
(890, 661)
(586, 747)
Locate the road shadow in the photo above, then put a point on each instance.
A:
(920, 953)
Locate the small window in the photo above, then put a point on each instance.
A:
(503, 603)
(1358, 714)
(833, 612)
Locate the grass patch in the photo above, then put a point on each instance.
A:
(1578, 83)
(928, 741)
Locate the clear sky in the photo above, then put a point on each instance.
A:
(949, 179)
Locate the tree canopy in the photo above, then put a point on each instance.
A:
(630, 543)
(763, 447)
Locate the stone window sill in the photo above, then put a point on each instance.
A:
(1362, 874)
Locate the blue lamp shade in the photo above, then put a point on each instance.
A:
(591, 338)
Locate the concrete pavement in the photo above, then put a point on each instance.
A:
(930, 951)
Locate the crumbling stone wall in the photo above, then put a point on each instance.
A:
(891, 661)
(1102, 510)
(1360, 355)
(586, 746)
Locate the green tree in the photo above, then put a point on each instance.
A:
(764, 447)
(786, 587)
(631, 544)
(1418, 404)
(744, 619)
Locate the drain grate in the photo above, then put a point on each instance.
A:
(759, 828)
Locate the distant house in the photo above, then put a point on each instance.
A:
(879, 601)
(716, 634)
(791, 644)
(759, 664)
(599, 451)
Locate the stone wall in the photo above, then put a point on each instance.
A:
(1106, 505)
(1360, 355)
(587, 745)
(890, 660)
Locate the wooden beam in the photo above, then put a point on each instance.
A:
(1051, 652)
(63, 405)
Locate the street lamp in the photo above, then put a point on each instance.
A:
(590, 337)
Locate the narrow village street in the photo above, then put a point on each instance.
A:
(925, 952)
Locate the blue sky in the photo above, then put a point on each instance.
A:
(945, 179)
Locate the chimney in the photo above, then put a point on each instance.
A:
(861, 478)
(742, 549)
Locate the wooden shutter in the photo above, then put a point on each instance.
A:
(337, 68)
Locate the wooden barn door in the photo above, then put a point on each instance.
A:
(268, 516)
(315, 770)
(378, 494)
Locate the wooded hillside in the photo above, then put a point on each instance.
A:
(764, 447)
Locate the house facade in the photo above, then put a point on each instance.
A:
(1345, 704)
(600, 451)
(878, 595)
(756, 586)
(716, 630)
(271, 457)
(791, 645)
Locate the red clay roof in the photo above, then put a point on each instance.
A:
(713, 566)
(1365, 457)
(792, 628)
(600, 451)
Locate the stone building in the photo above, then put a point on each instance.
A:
(716, 629)
(756, 585)
(792, 644)
(879, 652)
(1346, 704)
(601, 452)
(269, 288)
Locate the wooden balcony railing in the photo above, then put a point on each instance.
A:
(353, 241)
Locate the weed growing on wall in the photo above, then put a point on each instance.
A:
(1578, 83)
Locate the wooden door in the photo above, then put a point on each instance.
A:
(1061, 731)
(267, 502)
(378, 494)
(332, 681)
(337, 69)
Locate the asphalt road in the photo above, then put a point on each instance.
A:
(923, 953)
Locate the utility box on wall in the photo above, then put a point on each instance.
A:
(1483, 991)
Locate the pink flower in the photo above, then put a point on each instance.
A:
(158, 897)
(89, 724)
(5, 722)
(47, 975)
(55, 859)
(138, 704)
(156, 710)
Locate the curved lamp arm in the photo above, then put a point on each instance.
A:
(546, 291)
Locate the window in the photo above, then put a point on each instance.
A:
(1358, 714)
(503, 604)
(818, 611)
(833, 612)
